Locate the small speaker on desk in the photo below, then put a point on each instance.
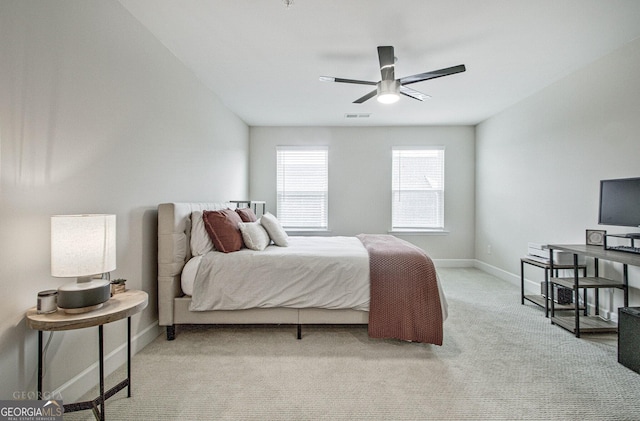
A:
(629, 337)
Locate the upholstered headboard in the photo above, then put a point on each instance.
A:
(174, 232)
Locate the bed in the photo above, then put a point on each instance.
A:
(314, 280)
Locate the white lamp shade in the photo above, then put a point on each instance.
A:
(82, 245)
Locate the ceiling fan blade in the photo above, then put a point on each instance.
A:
(432, 75)
(387, 62)
(340, 80)
(412, 93)
(366, 97)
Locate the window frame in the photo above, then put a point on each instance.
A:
(439, 226)
(322, 219)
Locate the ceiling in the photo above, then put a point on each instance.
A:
(263, 59)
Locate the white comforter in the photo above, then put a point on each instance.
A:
(321, 272)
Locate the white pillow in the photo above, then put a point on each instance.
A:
(254, 235)
(275, 230)
(188, 276)
(200, 241)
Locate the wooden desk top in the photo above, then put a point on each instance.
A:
(547, 265)
(599, 252)
(117, 307)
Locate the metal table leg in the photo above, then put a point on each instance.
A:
(39, 365)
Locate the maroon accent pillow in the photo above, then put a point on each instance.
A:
(222, 227)
(247, 215)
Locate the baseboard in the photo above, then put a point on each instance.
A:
(453, 263)
(77, 386)
(497, 272)
(512, 278)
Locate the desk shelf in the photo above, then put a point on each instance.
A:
(583, 323)
(539, 299)
(588, 282)
(588, 324)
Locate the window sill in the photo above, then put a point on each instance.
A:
(419, 232)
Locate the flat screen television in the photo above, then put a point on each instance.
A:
(620, 202)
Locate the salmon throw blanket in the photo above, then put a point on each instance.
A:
(405, 301)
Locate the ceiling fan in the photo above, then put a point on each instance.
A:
(388, 88)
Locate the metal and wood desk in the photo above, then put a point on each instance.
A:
(584, 323)
(118, 307)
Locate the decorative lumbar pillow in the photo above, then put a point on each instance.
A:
(247, 215)
(275, 230)
(200, 241)
(222, 227)
(254, 235)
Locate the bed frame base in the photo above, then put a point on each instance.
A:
(260, 316)
(171, 332)
(174, 231)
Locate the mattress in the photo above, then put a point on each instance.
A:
(317, 272)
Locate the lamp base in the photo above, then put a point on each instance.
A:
(82, 310)
(83, 296)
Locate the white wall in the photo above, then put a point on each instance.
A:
(96, 116)
(539, 162)
(360, 178)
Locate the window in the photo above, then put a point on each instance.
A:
(303, 187)
(418, 189)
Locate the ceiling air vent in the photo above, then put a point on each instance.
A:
(357, 115)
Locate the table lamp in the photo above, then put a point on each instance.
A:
(83, 246)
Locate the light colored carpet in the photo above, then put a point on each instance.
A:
(500, 361)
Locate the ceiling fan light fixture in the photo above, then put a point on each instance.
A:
(388, 98)
(388, 91)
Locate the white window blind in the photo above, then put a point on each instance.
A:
(303, 187)
(418, 189)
